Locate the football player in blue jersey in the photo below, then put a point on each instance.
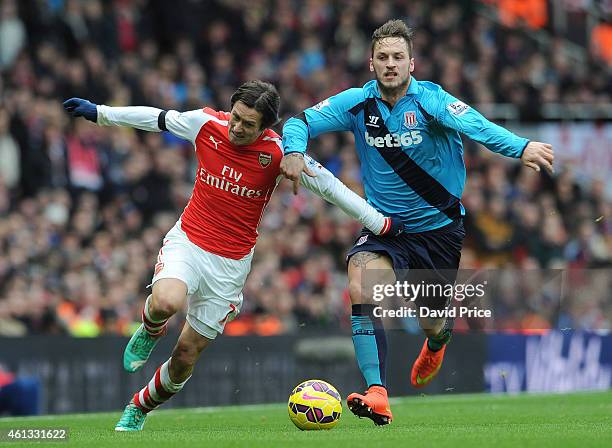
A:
(407, 139)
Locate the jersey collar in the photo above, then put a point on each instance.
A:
(413, 87)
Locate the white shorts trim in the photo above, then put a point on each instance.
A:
(201, 328)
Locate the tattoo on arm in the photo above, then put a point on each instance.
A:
(361, 259)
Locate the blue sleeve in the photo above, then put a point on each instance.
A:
(332, 114)
(457, 115)
(295, 136)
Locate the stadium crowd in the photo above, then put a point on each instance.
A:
(83, 209)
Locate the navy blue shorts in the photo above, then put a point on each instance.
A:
(431, 256)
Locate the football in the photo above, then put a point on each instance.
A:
(315, 404)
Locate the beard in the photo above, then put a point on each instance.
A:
(394, 87)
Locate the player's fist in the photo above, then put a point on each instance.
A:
(78, 107)
(537, 154)
(394, 226)
(292, 166)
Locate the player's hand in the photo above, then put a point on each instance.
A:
(538, 155)
(78, 107)
(292, 166)
(395, 226)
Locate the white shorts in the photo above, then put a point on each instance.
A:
(214, 283)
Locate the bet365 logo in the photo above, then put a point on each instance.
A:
(395, 140)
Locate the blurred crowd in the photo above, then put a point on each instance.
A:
(83, 209)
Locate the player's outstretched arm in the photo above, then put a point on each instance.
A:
(330, 188)
(139, 117)
(184, 125)
(457, 115)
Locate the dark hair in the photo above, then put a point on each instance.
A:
(393, 28)
(261, 96)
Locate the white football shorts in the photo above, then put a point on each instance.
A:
(214, 283)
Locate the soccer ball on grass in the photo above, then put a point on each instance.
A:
(315, 404)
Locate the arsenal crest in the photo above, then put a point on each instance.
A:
(265, 159)
(410, 119)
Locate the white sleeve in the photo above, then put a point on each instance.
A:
(326, 185)
(185, 125)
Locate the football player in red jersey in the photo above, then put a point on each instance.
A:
(207, 254)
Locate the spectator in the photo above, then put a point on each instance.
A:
(12, 34)
(10, 168)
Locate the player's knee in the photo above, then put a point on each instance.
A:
(166, 302)
(356, 292)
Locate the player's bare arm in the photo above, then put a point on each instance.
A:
(538, 155)
(292, 167)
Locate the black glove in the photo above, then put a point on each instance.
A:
(78, 107)
(394, 226)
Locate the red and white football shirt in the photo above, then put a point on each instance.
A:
(233, 183)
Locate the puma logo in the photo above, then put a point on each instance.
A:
(216, 143)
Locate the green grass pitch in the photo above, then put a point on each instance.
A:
(580, 420)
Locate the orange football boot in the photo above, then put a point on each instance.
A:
(373, 405)
(426, 366)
